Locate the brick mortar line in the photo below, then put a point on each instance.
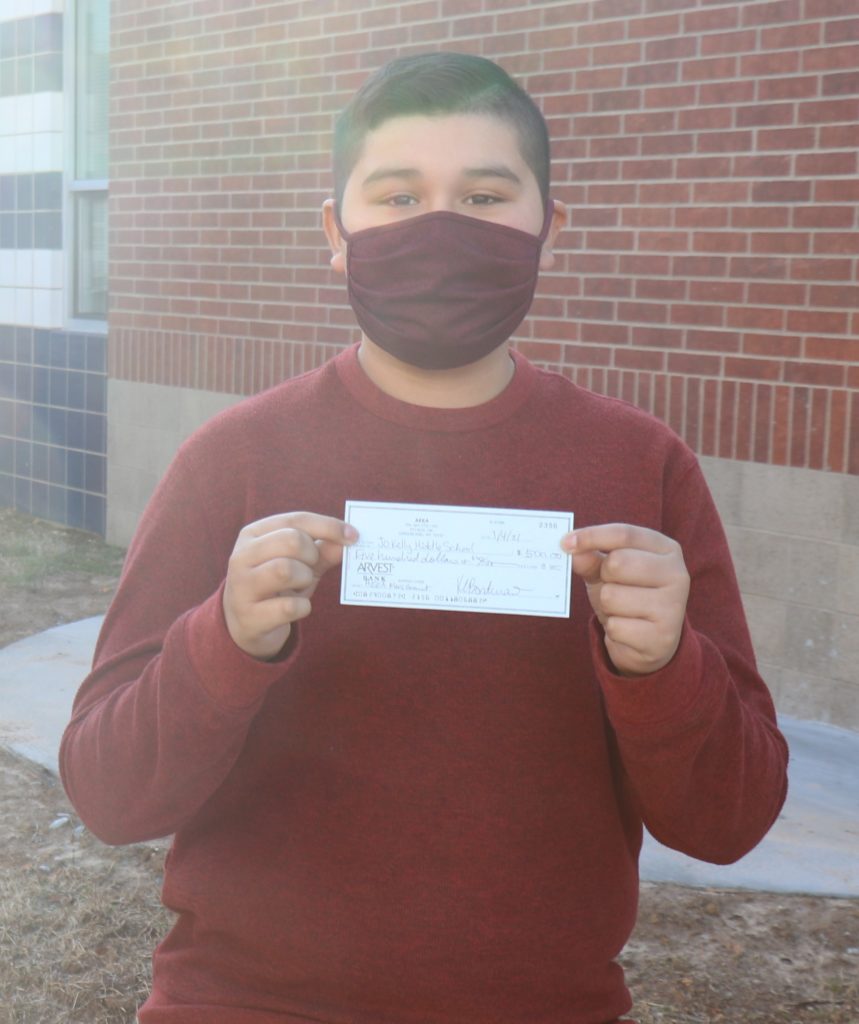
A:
(117, 78)
(161, 219)
(451, 19)
(788, 601)
(787, 534)
(565, 277)
(162, 333)
(626, 112)
(568, 183)
(314, 190)
(585, 136)
(396, 5)
(199, 375)
(826, 444)
(816, 149)
(807, 674)
(759, 50)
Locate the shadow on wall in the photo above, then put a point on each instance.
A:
(794, 534)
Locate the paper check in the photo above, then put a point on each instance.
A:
(457, 558)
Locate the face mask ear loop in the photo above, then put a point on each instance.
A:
(547, 221)
(346, 235)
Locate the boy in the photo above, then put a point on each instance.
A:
(388, 815)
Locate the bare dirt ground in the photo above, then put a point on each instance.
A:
(78, 920)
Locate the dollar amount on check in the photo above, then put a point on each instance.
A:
(457, 558)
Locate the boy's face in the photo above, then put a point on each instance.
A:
(464, 163)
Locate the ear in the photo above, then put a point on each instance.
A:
(559, 221)
(335, 239)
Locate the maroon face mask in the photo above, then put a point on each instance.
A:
(441, 290)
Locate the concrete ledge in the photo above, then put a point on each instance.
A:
(812, 848)
(39, 677)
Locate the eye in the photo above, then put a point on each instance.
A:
(400, 199)
(482, 199)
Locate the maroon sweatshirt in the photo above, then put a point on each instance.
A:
(414, 817)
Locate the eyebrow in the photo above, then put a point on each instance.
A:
(410, 173)
(494, 171)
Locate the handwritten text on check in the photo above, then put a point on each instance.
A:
(457, 558)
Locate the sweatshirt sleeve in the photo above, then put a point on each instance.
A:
(698, 740)
(160, 721)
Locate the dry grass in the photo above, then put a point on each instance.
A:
(50, 574)
(78, 920)
(32, 551)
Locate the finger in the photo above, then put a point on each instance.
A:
(607, 537)
(277, 612)
(634, 634)
(330, 555)
(628, 602)
(277, 577)
(317, 526)
(278, 545)
(635, 647)
(640, 568)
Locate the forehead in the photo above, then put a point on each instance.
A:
(443, 143)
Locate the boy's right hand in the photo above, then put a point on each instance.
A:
(273, 571)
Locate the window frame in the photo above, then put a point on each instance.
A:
(73, 187)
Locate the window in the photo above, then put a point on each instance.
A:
(89, 178)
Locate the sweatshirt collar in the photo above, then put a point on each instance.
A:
(421, 417)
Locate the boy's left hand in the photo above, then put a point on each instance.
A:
(638, 586)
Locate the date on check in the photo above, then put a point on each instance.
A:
(457, 558)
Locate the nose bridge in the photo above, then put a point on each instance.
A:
(439, 205)
(444, 193)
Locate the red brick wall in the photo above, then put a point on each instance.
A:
(708, 152)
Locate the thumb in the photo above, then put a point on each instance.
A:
(587, 564)
(331, 552)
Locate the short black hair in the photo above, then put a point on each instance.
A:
(436, 84)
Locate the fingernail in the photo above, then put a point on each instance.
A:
(350, 534)
(569, 542)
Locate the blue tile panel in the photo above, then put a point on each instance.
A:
(31, 55)
(53, 425)
(31, 211)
